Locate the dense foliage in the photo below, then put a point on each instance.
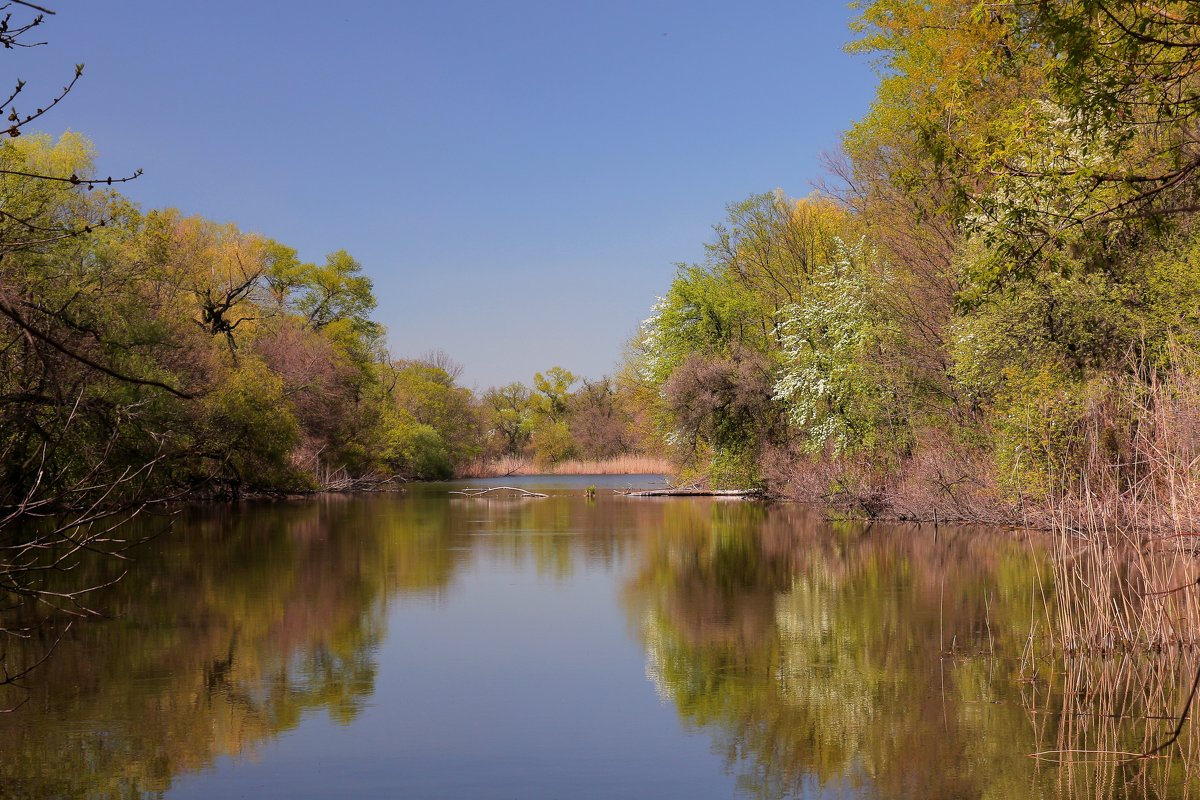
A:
(172, 353)
(198, 353)
(993, 295)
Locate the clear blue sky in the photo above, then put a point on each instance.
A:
(518, 178)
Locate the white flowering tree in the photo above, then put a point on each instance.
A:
(832, 381)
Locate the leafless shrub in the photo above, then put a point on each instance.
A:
(320, 386)
(599, 425)
(723, 399)
(939, 481)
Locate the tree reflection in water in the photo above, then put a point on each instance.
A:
(221, 637)
(888, 661)
(225, 633)
(876, 661)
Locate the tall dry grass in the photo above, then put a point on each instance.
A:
(1127, 516)
(1109, 723)
(1124, 612)
(1117, 590)
(618, 465)
(1136, 462)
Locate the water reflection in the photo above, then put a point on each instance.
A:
(895, 662)
(227, 631)
(865, 661)
(1108, 711)
(844, 657)
(220, 638)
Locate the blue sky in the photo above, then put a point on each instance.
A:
(518, 178)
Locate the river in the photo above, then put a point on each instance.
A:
(425, 645)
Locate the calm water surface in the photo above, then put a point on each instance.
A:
(427, 646)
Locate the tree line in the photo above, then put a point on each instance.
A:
(993, 300)
(177, 354)
(995, 295)
(151, 356)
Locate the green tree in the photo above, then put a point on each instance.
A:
(508, 412)
(338, 299)
(434, 418)
(249, 430)
(552, 390)
(552, 443)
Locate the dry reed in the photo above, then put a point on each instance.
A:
(1128, 520)
(1137, 459)
(1118, 591)
(1125, 605)
(1108, 724)
(618, 465)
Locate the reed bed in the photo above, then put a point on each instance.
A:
(618, 465)
(1117, 591)
(1109, 725)
(1124, 612)
(1127, 518)
(1135, 461)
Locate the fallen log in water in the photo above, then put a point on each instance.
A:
(482, 492)
(691, 493)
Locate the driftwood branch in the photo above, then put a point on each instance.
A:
(482, 492)
(690, 493)
(341, 481)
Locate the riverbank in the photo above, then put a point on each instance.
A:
(1130, 461)
(932, 487)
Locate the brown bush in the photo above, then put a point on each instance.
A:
(723, 399)
(319, 384)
